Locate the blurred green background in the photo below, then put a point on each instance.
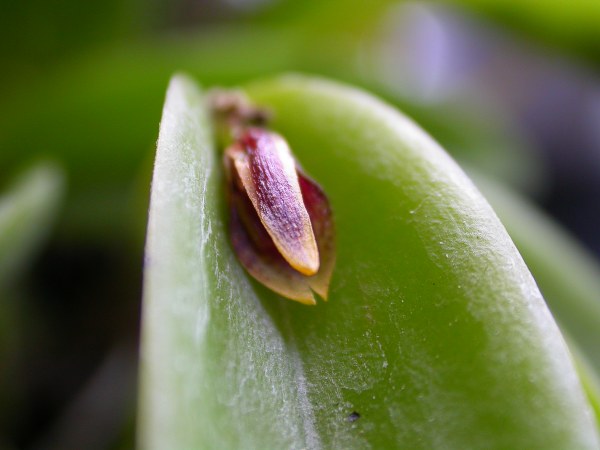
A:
(510, 88)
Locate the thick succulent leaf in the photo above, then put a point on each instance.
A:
(435, 334)
(216, 370)
(26, 213)
(568, 276)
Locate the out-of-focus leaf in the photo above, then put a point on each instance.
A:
(588, 376)
(571, 26)
(26, 214)
(38, 34)
(313, 20)
(434, 336)
(488, 142)
(27, 211)
(96, 115)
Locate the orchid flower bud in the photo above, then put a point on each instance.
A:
(281, 222)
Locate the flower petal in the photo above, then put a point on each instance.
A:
(321, 218)
(256, 247)
(267, 171)
(264, 264)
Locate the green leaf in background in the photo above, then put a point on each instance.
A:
(26, 213)
(589, 378)
(570, 26)
(435, 334)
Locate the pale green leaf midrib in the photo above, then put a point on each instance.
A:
(184, 346)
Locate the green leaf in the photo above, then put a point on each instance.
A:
(26, 213)
(435, 334)
(589, 378)
(567, 275)
(570, 26)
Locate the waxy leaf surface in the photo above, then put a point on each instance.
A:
(434, 336)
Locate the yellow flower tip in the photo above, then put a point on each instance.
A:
(307, 301)
(306, 259)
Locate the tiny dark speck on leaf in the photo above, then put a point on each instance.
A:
(353, 417)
